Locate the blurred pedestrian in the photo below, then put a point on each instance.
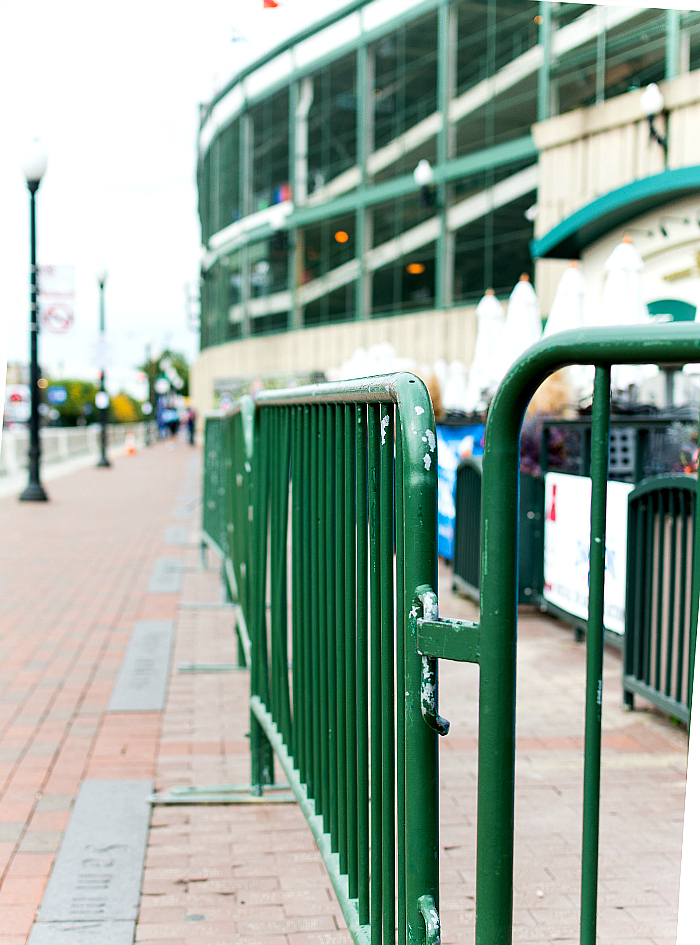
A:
(190, 424)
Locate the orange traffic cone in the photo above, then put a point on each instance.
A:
(130, 442)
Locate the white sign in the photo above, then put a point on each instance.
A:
(102, 352)
(101, 400)
(57, 318)
(567, 531)
(57, 281)
(56, 286)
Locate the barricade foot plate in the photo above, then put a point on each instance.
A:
(224, 794)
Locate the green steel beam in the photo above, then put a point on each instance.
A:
(673, 42)
(365, 135)
(445, 90)
(543, 78)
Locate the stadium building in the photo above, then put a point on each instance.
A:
(368, 179)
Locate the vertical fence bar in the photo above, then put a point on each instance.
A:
(305, 606)
(261, 751)
(686, 510)
(386, 551)
(600, 434)
(323, 552)
(285, 461)
(376, 678)
(660, 564)
(400, 686)
(331, 678)
(674, 511)
(648, 587)
(341, 631)
(298, 706)
(316, 750)
(363, 818)
(419, 474)
(276, 563)
(352, 770)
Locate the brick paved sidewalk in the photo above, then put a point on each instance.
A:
(226, 874)
(73, 580)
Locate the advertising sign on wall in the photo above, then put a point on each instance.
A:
(566, 536)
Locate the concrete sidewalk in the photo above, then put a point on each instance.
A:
(75, 578)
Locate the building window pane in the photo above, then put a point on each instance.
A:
(405, 82)
(337, 306)
(405, 285)
(270, 153)
(332, 122)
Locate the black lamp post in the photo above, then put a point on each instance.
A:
(149, 403)
(34, 167)
(102, 398)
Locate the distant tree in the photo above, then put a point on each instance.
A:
(124, 409)
(169, 362)
(79, 404)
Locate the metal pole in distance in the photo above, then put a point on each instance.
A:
(102, 396)
(34, 491)
(600, 434)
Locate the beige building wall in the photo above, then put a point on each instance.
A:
(591, 151)
(424, 337)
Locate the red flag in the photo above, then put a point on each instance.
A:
(270, 4)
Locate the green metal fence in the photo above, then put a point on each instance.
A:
(495, 638)
(660, 608)
(344, 539)
(466, 565)
(343, 546)
(213, 507)
(227, 509)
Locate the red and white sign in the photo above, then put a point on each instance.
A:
(57, 318)
(56, 291)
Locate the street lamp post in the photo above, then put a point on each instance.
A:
(149, 381)
(34, 168)
(102, 399)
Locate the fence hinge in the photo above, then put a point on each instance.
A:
(426, 904)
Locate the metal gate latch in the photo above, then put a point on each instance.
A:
(439, 639)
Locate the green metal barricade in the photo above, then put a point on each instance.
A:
(493, 641)
(341, 571)
(659, 610)
(226, 506)
(345, 543)
(212, 502)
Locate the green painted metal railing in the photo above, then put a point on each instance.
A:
(227, 509)
(213, 509)
(495, 638)
(466, 565)
(661, 607)
(344, 538)
(344, 657)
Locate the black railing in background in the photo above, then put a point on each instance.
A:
(661, 607)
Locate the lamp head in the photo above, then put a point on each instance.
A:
(423, 174)
(652, 101)
(101, 275)
(34, 162)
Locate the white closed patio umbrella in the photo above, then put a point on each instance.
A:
(621, 304)
(567, 312)
(523, 325)
(485, 373)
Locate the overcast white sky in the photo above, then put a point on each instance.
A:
(112, 88)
